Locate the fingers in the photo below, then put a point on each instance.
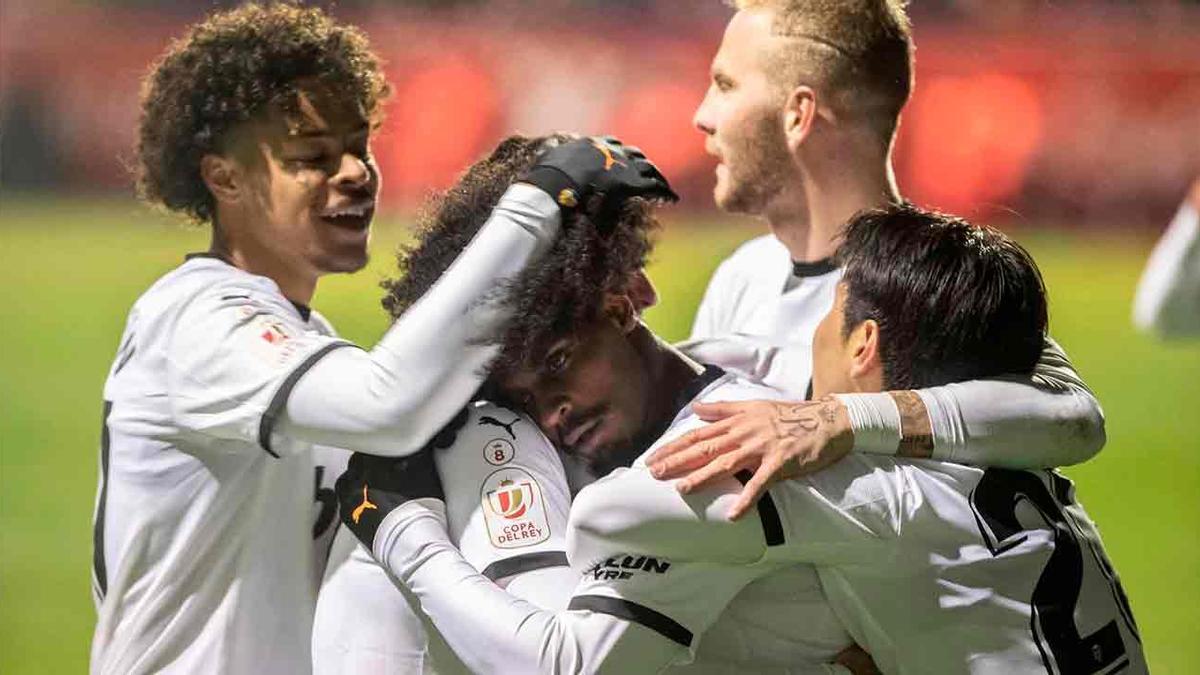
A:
(722, 468)
(712, 412)
(670, 455)
(753, 490)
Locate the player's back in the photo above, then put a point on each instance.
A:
(937, 567)
(203, 544)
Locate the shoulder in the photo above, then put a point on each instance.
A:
(630, 511)
(759, 256)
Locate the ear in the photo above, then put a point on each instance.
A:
(223, 177)
(866, 362)
(799, 115)
(619, 308)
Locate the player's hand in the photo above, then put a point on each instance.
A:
(857, 661)
(776, 440)
(372, 487)
(597, 175)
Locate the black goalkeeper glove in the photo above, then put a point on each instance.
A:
(372, 487)
(597, 175)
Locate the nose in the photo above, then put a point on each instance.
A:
(702, 118)
(553, 416)
(354, 172)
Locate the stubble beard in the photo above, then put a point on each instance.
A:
(759, 168)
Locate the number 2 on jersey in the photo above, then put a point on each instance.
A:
(1055, 596)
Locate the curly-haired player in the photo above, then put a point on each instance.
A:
(609, 388)
(258, 123)
(933, 567)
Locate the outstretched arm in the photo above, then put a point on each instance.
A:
(1168, 295)
(1046, 419)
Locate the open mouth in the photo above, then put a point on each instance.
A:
(355, 216)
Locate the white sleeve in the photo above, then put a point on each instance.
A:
(1045, 420)
(787, 368)
(226, 354)
(1168, 295)
(507, 499)
(492, 631)
(711, 319)
(393, 399)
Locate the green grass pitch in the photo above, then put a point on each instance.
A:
(71, 270)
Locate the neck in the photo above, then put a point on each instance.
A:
(809, 218)
(670, 373)
(294, 285)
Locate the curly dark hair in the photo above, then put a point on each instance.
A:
(554, 297)
(226, 71)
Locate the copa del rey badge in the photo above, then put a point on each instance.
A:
(513, 509)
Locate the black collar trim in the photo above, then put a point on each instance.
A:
(813, 269)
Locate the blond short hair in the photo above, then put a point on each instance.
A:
(857, 52)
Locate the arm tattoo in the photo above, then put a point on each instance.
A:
(916, 434)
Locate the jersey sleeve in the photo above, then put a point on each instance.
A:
(232, 354)
(1168, 295)
(507, 499)
(626, 536)
(1047, 419)
(711, 315)
(391, 400)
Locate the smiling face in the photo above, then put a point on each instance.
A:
(307, 192)
(742, 117)
(591, 394)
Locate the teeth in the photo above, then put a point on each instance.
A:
(357, 210)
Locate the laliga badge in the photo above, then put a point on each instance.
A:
(513, 509)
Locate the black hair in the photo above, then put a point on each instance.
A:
(226, 71)
(554, 297)
(953, 301)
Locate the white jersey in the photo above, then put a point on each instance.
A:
(933, 567)
(507, 504)
(206, 552)
(1168, 295)
(758, 318)
(631, 613)
(760, 312)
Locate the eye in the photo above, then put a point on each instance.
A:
(557, 360)
(722, 83)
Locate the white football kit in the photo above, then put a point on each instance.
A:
(1168, 295)
(507, 503)
(758, 318)
(220, 394)
(934, 568)
(740, 617)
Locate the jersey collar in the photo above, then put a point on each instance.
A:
(813, 269)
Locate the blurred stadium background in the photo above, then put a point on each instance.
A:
(1075, 125)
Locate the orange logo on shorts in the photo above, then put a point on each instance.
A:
(366, 504)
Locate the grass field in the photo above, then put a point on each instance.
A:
(70, 271)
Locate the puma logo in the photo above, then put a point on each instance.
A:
(488, 419)
(609, 160)
(366, 504)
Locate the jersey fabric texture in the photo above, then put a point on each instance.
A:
(758, 616)
(507, 503)
(933, 567)
(206, 553)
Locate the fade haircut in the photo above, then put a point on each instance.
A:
(228, 70)
(557, 296)
(953, 301)
(857, 52)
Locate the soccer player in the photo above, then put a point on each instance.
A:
(801, 114)
(934, 567)
(258, 122)
(1168, 296)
